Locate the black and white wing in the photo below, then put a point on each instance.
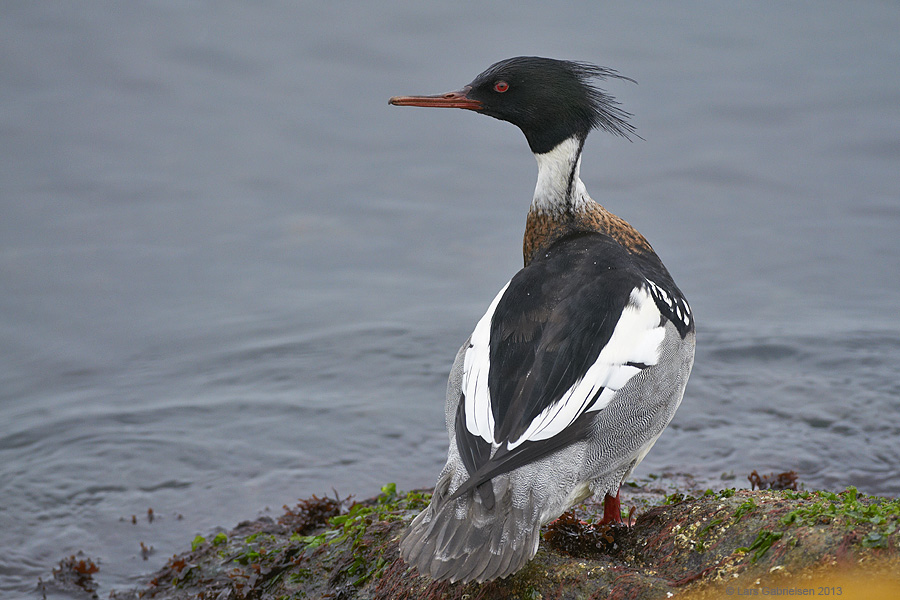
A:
(554, 347)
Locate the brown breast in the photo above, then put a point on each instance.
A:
(543, 229)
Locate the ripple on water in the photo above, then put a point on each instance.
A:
(817, 405)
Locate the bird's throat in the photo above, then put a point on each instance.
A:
(559, 188)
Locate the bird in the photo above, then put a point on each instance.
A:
(579, 362)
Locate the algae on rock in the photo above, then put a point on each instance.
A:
(695, 544)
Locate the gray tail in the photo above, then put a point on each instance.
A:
(462, 540)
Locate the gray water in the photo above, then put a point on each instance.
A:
(232, 276)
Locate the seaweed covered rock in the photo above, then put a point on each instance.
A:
(740, 542)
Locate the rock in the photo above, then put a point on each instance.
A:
(691, 543)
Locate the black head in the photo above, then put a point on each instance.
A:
(549, 100)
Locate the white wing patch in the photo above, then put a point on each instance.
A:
(636, 339)
(476, 366)
(679, 306)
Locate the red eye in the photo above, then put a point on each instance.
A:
(501, 86)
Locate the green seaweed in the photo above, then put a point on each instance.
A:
(762, 543)
(352, 526)
(853, 509)
(676, 498)
(747, 507)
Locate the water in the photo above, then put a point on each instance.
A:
(233, 276)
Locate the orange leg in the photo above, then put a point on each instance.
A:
(612, 510)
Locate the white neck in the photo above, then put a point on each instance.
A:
(559, 187)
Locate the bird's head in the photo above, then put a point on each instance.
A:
(549, 100)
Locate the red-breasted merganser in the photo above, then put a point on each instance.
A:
(580, 361)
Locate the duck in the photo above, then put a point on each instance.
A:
(579, 362)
